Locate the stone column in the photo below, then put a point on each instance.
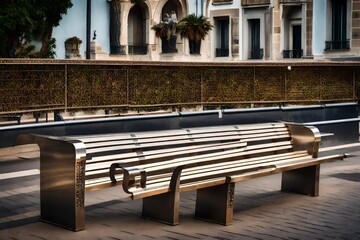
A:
(309, 26)
(235, 37)
(355, 36)
(115, 26)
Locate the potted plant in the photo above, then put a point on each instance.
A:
(194, 28)
(72, 47)
(166, 30)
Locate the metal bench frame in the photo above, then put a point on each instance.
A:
(63, 167)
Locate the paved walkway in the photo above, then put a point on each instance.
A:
(261, 211)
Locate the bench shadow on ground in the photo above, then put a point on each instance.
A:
(19, 222)
(354, 177)
(130, 211)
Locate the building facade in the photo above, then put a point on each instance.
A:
(243, 29)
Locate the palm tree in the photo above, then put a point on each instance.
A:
(167, 32)
(194, 28)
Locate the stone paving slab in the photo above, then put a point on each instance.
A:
(261, 211)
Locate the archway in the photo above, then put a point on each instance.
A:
(171, 6)
(137, 29)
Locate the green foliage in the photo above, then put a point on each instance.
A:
(23, 20)
(194, 28)
(51, 48)
(25, 51)
(16, 25)
(165, 29)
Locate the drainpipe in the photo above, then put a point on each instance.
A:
(202, 8)
(88, 28)
(196, 4)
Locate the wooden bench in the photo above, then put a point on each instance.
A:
(157, 166)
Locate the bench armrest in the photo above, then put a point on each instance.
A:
(305, 138)
(134, 177)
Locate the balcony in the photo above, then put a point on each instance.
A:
(257, 53)
(337, 45)
(137, 50)
(296, 53)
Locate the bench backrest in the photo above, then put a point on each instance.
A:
(218, 143)
(183, 144)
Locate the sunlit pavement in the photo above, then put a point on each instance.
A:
(261, 211)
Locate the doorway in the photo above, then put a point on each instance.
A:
(137, 31)
(296, 41)
(255, 51)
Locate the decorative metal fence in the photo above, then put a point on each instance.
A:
(35, 85)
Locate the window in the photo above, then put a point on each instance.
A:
(292, 33)
(137, 31)
(222, 36)
(338, 26)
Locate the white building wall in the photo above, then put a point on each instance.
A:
(319, 27)
(74, 24)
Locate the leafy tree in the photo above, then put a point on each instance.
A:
(23, 20)
(16, 25)
(50, 12)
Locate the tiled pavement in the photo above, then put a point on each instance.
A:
(261, 211)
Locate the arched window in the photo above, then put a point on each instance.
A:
(137, 31)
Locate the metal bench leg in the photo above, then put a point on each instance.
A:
(303, 180)
(215, 204)
(62, 180)
(162, 208)
(165, 207)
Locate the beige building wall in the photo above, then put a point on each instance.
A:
(276, 50)
(309, 28)
(356, 27)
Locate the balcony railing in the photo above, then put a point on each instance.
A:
(296, 53)
(257, 54)
(137, 50)
(337, 45)
(222, 52)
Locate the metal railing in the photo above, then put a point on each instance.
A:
(137, 50)
(28, 86)
(296, 53)
(257, 53)
(337, 45)
(222, 52)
